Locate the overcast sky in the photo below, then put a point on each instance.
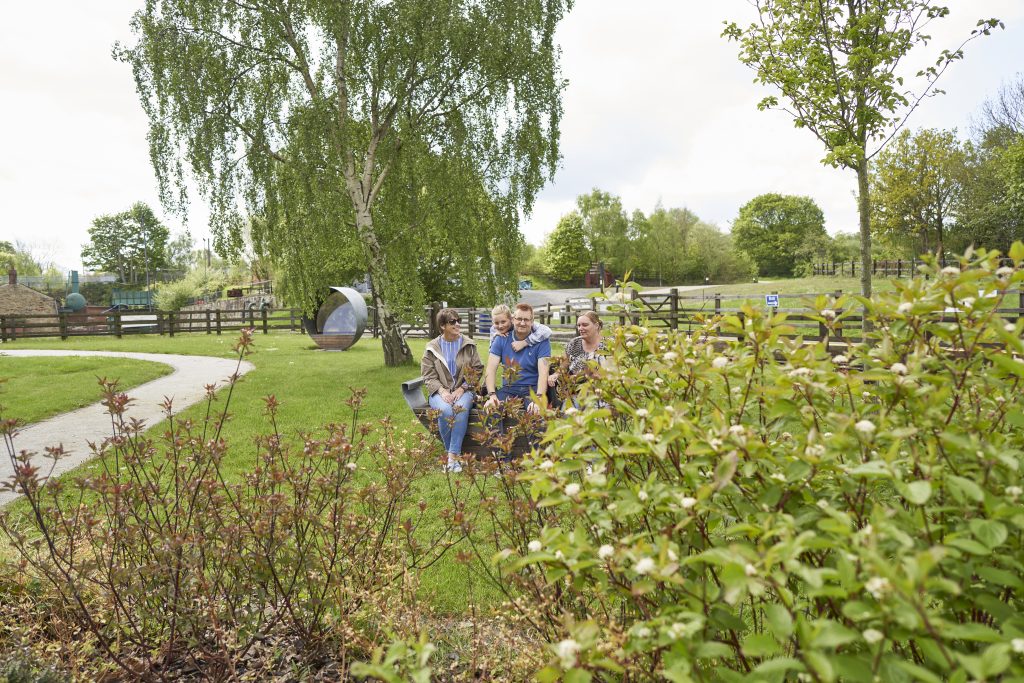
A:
(657, 108)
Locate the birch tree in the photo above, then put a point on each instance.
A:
(311, 113)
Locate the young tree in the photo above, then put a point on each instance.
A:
(606, 227)
(838, 64)
(772, 229)
(566, 249)
(917, 184)
(129, 243)
(19, 256)
(180, 252)
(319, 114)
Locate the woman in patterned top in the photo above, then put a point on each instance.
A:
(448, 363)
(588, 346)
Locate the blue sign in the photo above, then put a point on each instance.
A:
(771, 300)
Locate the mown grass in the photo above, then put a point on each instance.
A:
(311, 386)
(33, 389)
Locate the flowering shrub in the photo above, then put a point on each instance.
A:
(174, 567)
(761, 509)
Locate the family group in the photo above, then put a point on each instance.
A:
(451, 364)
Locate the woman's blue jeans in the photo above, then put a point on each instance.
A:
(453, 422)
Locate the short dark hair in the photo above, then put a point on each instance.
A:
(446, 315)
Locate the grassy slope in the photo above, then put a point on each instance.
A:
(37, 388)
(310, 385)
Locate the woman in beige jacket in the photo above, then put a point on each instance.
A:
(446, 364)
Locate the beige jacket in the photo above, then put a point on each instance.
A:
(434, 369)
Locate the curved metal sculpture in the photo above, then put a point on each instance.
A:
(341, 319)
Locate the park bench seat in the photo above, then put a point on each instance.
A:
(412, 391)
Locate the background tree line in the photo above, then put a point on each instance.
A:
(671, 245)
(935, 192)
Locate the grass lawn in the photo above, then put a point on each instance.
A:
(37, 388)
(311, 386)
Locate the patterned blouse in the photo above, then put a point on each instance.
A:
(578, 357)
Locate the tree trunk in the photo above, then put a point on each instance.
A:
(940, 249)
(396, 350)
(864, 208)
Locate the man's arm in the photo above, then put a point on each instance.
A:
(492, 377)
(542, 381)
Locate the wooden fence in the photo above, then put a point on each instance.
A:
(884, 268)
(670, 310)
(678, 312)
(122, 323)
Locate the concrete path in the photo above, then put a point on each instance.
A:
(186, 385)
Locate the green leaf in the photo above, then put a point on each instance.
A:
(832, 634)
(779, 665)
(989, 532)
(851, 668)
(918, 492)
(1000, 577)
(996, 660)
(759, 645)
(1017, 251)
(918, 673)
(962, 487)
(971, 631)
(969, 546)
(577, 676)
(779, 621)
(1010, 365)
(711, 649)
(821, 665)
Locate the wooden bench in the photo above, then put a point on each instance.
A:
(412, 391)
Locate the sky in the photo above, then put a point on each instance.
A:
(658, 109)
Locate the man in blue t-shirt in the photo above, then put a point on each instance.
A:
(532, 362)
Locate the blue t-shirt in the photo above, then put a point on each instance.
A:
(527, 359)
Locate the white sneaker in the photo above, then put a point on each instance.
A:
(453, 465)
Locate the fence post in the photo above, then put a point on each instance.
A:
(853, 269)
(170, 323)
(117, 324)
(674, 304)
(218, 321)
(899, 268)
(263, 316)
(62, 324)
(718, 303)
(471, 314)
(1020, 304)
(208, 327)
(3, 328)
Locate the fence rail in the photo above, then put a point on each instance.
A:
(670, 310)
(885, 268)
(121, 323)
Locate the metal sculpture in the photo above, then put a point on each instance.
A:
(341, 319)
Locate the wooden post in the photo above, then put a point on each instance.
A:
(218, 321)
(3, 328)
(1020, 304)
(718, 303)
(118, 331)
(291, 319)
(471, 323)
(674, 308)
(170, 323)
(62, 324)
(263, 316)
(548, 320)
(899, 268)
(209, 329)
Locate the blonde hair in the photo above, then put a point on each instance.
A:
(501, 309)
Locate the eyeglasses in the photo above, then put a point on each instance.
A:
(453, 321)
(523, 320)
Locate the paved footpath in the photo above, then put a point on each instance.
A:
(186, 385)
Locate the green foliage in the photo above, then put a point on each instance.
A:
(19, 257)
(197, 283)
(371, 131)
(127, 243)
(607, 229)
(402, 661)
(757, 509)
(778, 231)
(917, 186)
(566, 250)
(181, 253)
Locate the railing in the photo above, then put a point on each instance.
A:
(678, 312)
(121, 323)
(885, 268)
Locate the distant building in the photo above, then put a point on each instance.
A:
(17, 300)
